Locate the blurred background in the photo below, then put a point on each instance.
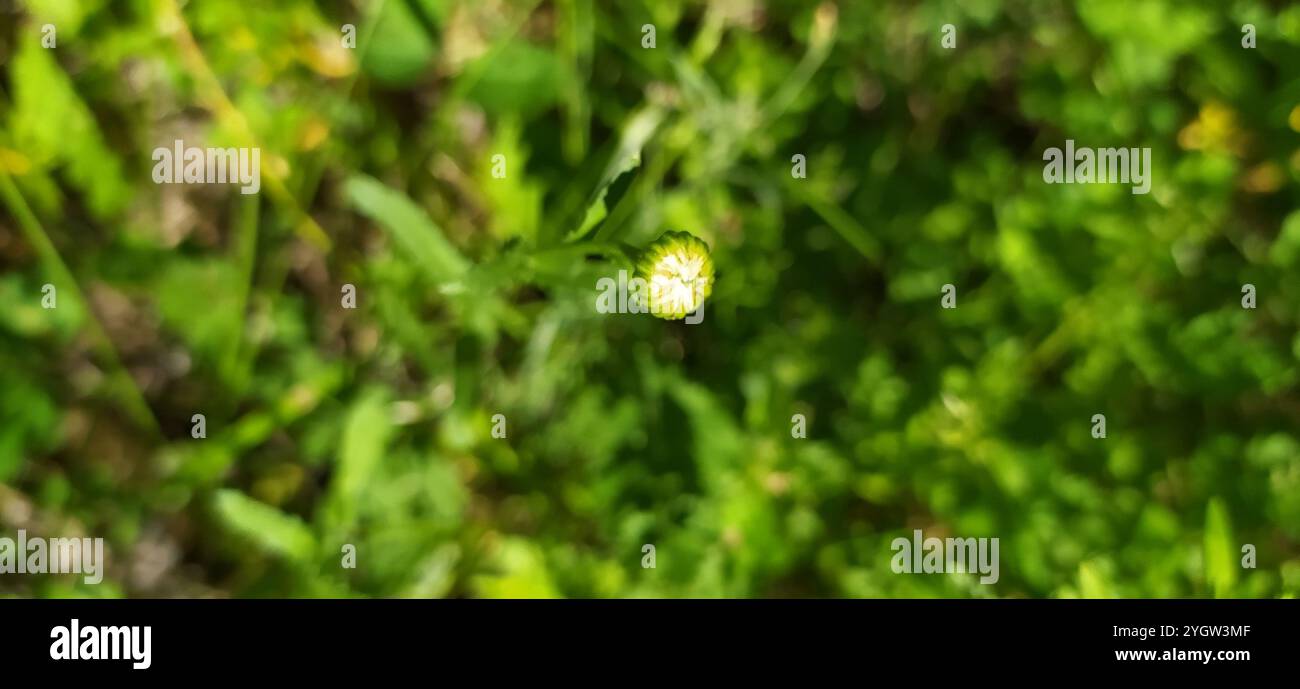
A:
(475, 296)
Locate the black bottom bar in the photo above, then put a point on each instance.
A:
(304, 638)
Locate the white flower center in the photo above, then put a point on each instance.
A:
(676, 285)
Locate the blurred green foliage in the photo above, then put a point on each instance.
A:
(475, 297)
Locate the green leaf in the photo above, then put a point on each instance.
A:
(400, 49)
(366, 432)
(517, 79)
(521, 573)
(274, 531)
(199, 300)
(66, 15)
(1220, 555)
(627, 157)
(1285, 252)
(597, 211)
(718, 443)
(31, 419)
(54, 128)
(409, 226)
(516, 201)
(1093, 582)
